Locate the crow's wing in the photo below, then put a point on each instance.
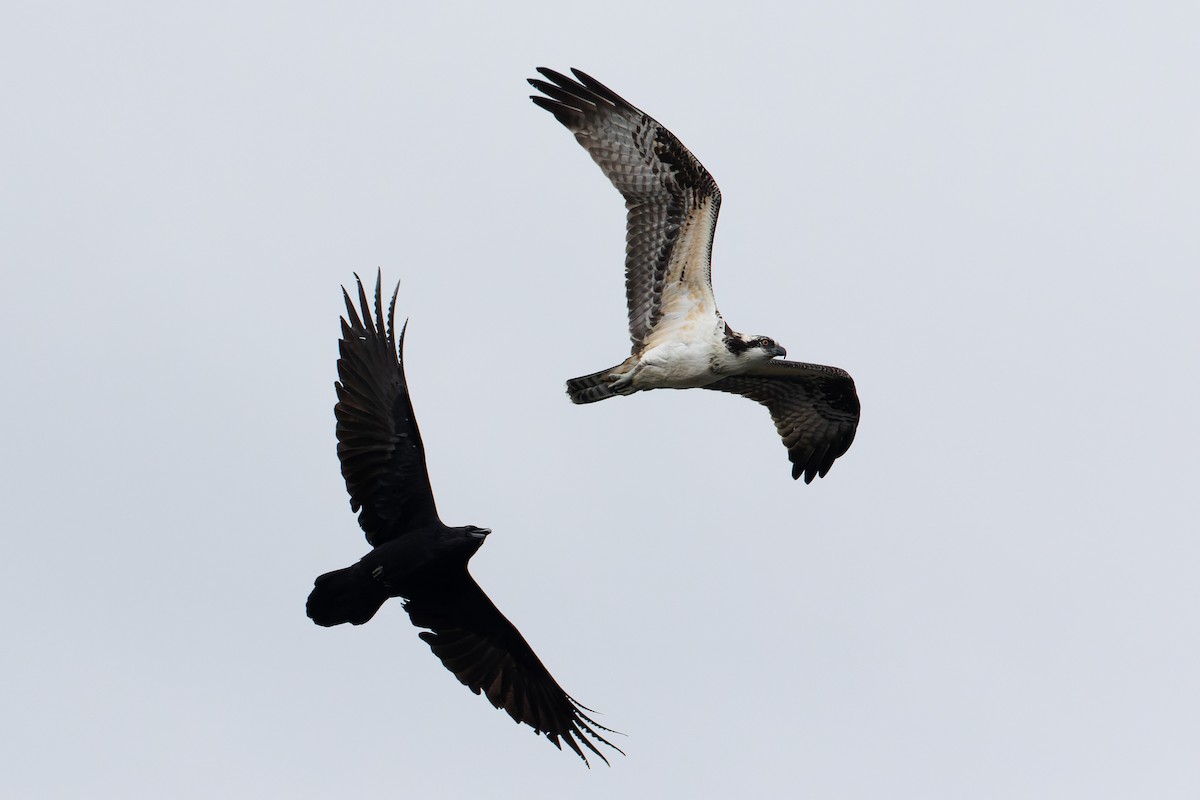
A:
(672, 201)
(379, 445)
(488, 654)
(815, 409)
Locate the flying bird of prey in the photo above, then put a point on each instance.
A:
(415, 556)
(680, 339)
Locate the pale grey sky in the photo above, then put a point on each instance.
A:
(989, 217)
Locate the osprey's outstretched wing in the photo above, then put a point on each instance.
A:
(815, 409)
(671, 199)
(488, 654)
(379, 445)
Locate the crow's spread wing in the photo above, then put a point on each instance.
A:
(488, 654)
(672, 201)
(379, 445)
(815, 409)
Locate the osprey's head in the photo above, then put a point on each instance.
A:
(755, 348)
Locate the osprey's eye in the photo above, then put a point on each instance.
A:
(764, 342)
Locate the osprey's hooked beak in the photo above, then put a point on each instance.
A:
(779, 352)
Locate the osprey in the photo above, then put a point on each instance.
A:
(414, 555)
(680, 339)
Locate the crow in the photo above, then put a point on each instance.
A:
(415, 556)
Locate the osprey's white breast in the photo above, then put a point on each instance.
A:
(686, 344)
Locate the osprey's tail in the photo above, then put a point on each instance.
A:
(595, 387)
(345, 595)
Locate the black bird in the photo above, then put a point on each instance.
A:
(415, 556)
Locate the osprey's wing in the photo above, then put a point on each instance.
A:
(379, 445)
(487, 654)
(815, 410)
(671, 199)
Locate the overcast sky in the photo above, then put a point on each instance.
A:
(988, 217)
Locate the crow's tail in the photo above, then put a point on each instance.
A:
(345, 595)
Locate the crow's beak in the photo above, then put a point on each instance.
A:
(480, 533)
